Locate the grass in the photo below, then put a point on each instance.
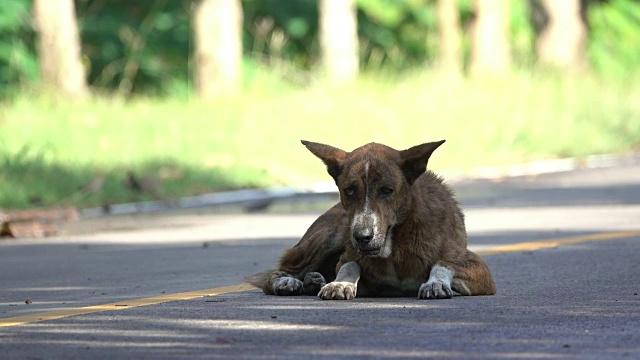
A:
(49, 149)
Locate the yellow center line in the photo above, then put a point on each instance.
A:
(59, 314)
(125, 304)
(552, 243)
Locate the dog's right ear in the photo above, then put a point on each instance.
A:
(331, 156)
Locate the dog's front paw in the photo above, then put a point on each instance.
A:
(287, 286)
(435, 290)
(312, 283)
(338, 291)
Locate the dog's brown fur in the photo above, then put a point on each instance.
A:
(398, 231)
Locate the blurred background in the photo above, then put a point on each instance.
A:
(111, 101)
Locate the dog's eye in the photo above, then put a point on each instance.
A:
(385, 191)
(350, 192)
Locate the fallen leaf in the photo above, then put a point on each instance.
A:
(221, 340)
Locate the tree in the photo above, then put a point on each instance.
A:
(490, 51)
(59, 47)
(339, 39)
(450, 55)
(562, 32)
(218, 48)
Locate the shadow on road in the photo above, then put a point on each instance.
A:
(546, 307)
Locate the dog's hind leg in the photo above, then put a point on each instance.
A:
(313, 282)
(472, 276)
(468, 275)
(306, 267)
(284, 284)
(275, 282)
(439, 284)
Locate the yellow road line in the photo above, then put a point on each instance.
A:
(552, 243)
(58, 314)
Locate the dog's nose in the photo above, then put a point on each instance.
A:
(363, 236)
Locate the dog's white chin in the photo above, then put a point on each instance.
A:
(369, 253)
(385, 250)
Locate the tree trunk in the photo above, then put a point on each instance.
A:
(339, 39)
(59, 47)
(218, 48)
(450, 57)
(562, 41)
(490, 52)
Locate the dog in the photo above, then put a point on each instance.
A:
(397, 231)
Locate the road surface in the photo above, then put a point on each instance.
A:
(564, 250)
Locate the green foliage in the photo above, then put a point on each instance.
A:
(396, 34)
(277, 30)
(614, 45)
(139, 46)
(18, 63)
(145, 46)
(522, 34)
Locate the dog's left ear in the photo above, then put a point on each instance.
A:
(414, 160)
(331, 156)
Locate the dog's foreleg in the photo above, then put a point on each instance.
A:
(438, 286)
(346, 284)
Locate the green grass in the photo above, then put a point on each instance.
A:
(49, 148)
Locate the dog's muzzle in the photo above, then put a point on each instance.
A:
(365, 245)
(368, 243)
(363, 236)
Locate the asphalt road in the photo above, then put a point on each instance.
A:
(563, 294)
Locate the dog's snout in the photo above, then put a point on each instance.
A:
(363, 235)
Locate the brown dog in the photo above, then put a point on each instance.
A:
(397, 231)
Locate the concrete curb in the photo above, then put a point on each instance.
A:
(249, 199)
(259, 199)
(546, 167)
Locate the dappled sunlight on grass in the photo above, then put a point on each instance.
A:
(253, 140)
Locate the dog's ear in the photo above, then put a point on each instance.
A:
(414, 160)
(331, 156)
